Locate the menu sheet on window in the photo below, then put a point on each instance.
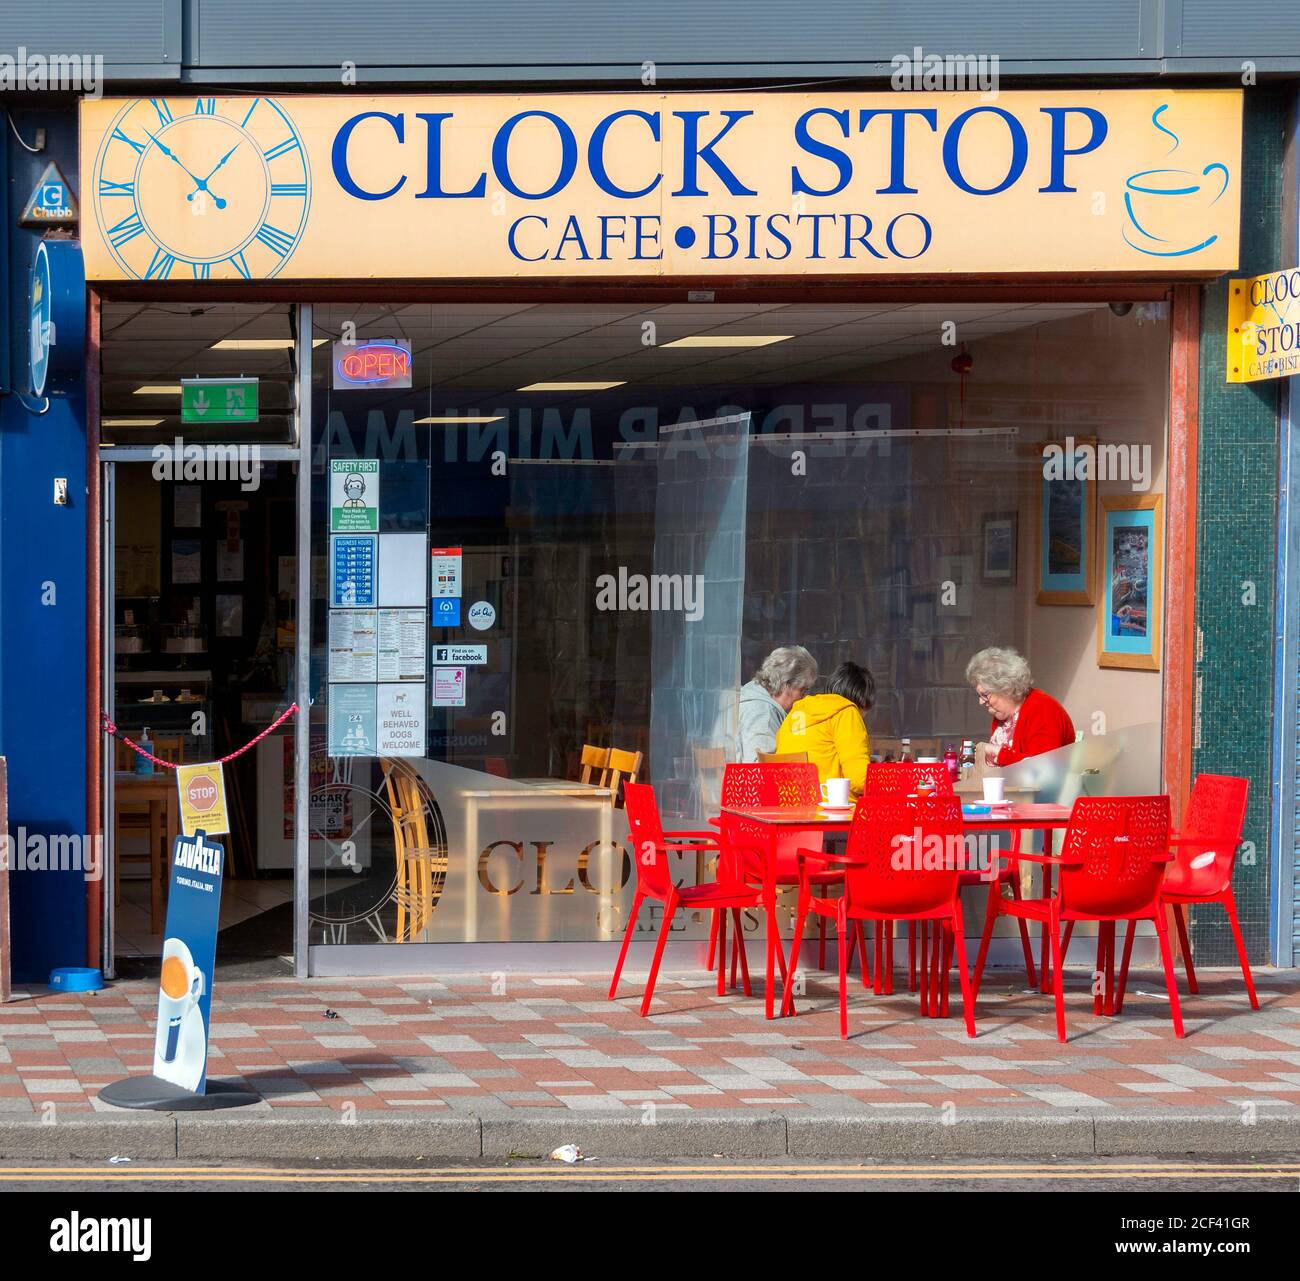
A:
(353, 655)
(402, 634)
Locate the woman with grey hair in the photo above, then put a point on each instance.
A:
(1026, 722)
(786, 675)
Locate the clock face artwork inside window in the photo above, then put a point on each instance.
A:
(199, 189)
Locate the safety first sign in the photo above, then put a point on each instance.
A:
(202, 791)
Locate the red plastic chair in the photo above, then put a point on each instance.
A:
(1111, 864)
(651, 847)
(1201, 872)
(900, 778)
(772, 785)
(902, 863)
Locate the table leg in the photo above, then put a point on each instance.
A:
(721, 916)
(923, 978)
(936, 943)
(1044, 967)
(1110, 968)
(769, 906)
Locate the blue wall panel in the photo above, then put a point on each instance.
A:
(42, 647)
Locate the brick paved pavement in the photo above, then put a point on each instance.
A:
(454, 1045)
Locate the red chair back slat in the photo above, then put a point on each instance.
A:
(908, 853)
(1216, 812)
(899, 778)
(768, 785)
(646, 836)
(1114, 841)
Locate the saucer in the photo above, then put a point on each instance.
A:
(835, 809)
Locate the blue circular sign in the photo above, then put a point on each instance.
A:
(58, 313)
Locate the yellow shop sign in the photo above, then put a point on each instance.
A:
(644, 185)
(1264, 327)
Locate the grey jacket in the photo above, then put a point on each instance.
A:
(760, 717)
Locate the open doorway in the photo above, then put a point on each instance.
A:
(200, 576)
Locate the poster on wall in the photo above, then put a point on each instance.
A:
(998, 562)
(187, 560)
(229, 611)
(1067, 523)
(352, 730)
(1128, 614)
(354, 495)
(187, 506)
(401, 719)
(230, 562)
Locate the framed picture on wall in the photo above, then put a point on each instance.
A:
(1131, 563)
(998, 554)
(1067, 523)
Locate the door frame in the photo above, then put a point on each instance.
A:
(101, 651)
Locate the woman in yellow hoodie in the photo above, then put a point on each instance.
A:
(831, 727)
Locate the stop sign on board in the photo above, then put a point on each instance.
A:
(202, 792)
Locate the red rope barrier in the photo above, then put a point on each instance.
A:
(111, 729)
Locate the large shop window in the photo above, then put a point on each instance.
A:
(540, 529)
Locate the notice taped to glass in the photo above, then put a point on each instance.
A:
(402, 634)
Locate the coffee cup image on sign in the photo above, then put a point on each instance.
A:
(180, 1021)
(1167, 211)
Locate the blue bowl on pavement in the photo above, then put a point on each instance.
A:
(76, 978)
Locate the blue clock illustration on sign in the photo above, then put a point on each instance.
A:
(202, 189)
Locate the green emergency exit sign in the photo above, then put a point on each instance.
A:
(218, 400)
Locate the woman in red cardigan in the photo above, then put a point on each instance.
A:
(1026, 722)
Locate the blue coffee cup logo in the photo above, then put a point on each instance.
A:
(1167, 210)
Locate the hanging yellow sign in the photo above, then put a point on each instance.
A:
(1264, 327)
(202, 791)
(649, 184)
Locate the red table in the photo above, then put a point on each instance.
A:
(1016, 818)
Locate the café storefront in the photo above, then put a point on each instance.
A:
(570, 408)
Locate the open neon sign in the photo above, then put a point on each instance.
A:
(381, 363)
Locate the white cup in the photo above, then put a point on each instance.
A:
(835, 792)
(994, 792)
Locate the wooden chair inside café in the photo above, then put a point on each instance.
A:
(421, 868)
(131, 815)
(609, 767)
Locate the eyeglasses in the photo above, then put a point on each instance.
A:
(983, 698)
